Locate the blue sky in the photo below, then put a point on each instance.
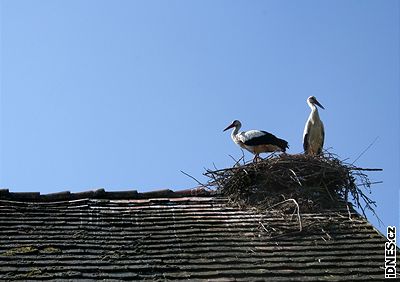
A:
(126, 94)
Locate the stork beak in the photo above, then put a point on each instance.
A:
(318, 104)
(230, 126)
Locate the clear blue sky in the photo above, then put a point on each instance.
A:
(125, 94)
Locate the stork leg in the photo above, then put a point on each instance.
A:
(256, 158)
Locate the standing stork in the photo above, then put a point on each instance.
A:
(256, 141)
(314, 133)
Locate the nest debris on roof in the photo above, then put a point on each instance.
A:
(314, 183)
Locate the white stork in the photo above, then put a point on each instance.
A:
(256, 141)
(314, 133)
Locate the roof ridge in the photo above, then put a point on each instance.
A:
(101, 193)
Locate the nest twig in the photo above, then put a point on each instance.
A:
(313, 183)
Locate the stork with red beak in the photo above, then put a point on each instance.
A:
(314, 132)
(256, 141)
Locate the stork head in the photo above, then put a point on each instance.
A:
(234, 123)
(312, 100)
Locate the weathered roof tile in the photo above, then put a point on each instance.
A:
(188, 235)
(5, 194)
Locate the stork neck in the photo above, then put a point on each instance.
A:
(235, 131)
(313, 107)
(315, 110)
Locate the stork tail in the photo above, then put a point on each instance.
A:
(283, 144)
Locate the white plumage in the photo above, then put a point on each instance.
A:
(256, 141)
(314, 132)
(245, 136)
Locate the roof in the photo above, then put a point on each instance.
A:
(186, 235)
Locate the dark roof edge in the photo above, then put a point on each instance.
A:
(5, 194)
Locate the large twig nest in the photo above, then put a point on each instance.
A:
(316, 183)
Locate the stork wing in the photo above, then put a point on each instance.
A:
(305, 135)
(322, 138)
(259, 137)
(244, 136)
(305, 142)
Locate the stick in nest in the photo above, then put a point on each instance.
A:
(315, 183)
(201, 184)
(296, 210)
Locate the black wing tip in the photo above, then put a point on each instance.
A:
(284, 145)
(305, 143)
